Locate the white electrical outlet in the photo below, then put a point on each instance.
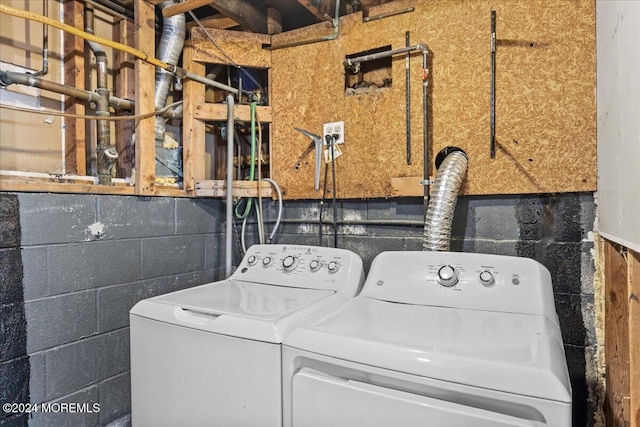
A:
(334, 128)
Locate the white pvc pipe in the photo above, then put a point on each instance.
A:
(229, 212)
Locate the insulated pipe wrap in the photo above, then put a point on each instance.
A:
(439, 215)
(169, 50)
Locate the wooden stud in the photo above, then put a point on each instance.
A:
(74, 75)
(183, 7)
(241, 113)
(218, 188)
(616, 337)
(193, 129)
(145, 89)
(123, 32)
(633, 265)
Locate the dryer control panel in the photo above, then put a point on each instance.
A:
(300, 266)
(462, 280)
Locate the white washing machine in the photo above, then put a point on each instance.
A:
(211, 355)
(434, 339)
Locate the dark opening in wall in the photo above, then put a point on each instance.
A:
(372, 76)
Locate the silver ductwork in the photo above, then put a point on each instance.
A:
(169, 50)
(439, 215)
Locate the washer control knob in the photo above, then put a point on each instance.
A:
(252, 260)
(333, 266)
(486, 278)
(315, 265)
(266, 261)
(289, 263)
(447, 276)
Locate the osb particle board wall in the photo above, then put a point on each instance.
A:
(545, 98)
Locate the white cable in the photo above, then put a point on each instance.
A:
(279, 193)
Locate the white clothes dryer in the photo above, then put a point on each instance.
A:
(211, 355)
(434, 339)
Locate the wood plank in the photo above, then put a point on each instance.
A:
(183, 7)
(321, 9)
(74, 75)
(274, 21)
(407, 186)
(633, 262)
(616, 337)
(251, 15)
(145, 84)
(193, 130)
(124, 78)
(244, 48)
(241, 113)
(218, 188)
(38, 185)
(219, 22)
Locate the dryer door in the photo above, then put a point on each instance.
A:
(319, 399)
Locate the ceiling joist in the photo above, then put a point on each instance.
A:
(321, 9)
(250, 15)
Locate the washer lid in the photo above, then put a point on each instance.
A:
(233, 307)
(514, 353)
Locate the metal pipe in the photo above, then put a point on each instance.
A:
(407, 93)
(102, 105)
(351, 63)
(386, 15)
(45, 42)
(335, 23)
(169, 49)
(11, 77)
(229, 210)
(492, 107)
(439, 215)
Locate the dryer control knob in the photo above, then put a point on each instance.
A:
(486, 278)
(333, 266)
(315, 265)
(447, 276)
(289, 263)
(266, 261)
(252, 260)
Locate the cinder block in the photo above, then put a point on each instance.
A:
(9, 221)
(587, 268)
(92, 265)
(134, 217)
(11, 276)
(172, 255)
(195, 216)
(61, 319)
(77, 365)
(34, 266)
(115, 398)
(37, 385)
(572, 323)
(581, 413)
(115, 302)
(563, 262)
(368, 248)
(90, 418)
(14, 382)
(485, 218)
(214, 251)
(56, 218)
(13, 331)
(568, 218)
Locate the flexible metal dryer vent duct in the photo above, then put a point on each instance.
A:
(169, 49)
(439, 215)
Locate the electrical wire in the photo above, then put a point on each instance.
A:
(90, 117)
(247, 208)
(280, 207)
(333, 175)
(324, 194)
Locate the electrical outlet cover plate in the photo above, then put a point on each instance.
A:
(333, 128)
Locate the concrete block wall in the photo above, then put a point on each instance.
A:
(75, 265)
(556, 230)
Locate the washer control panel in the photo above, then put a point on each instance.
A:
(299, 266)
(462, 280)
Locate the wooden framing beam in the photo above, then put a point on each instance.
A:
(250, 15)
(183, 7)
(193, 130)
(219, 22)
(145, 90)
(124, 73)
(241, 113)
(218, 188)
(74, 75)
